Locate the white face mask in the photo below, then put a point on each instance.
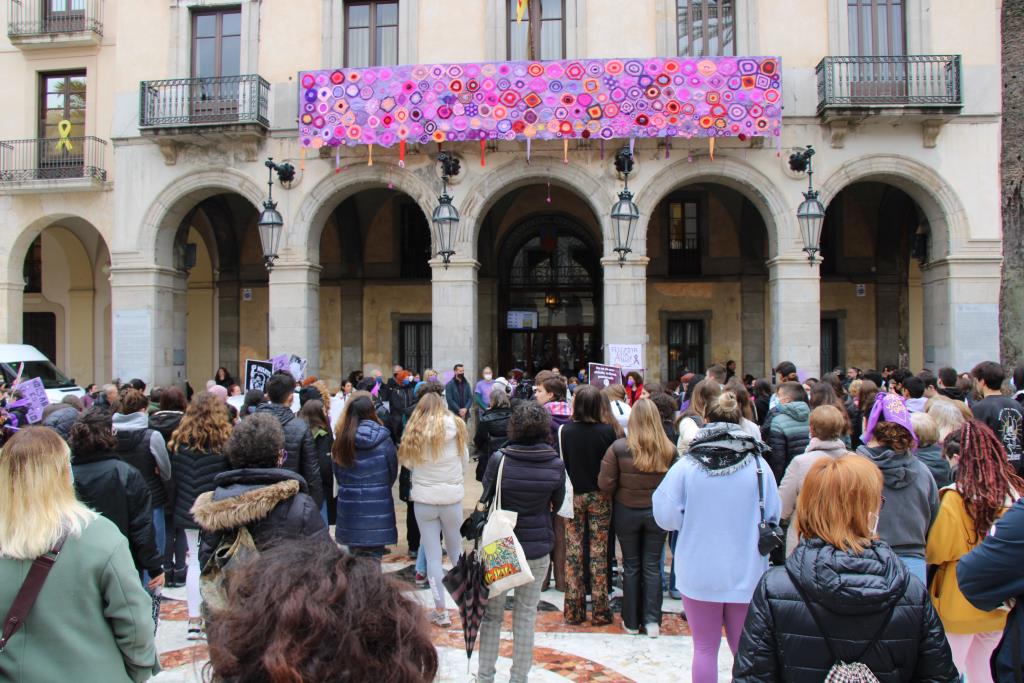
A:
(488, 375)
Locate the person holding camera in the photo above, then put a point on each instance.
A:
(722, 499)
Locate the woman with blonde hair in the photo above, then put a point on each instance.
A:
(631, 470)
(197, 457)
(844, 600)
(92, 614)
(434, 447)
(949, 415)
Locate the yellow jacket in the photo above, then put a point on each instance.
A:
(951, 537)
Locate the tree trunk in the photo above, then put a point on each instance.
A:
(1011, 295)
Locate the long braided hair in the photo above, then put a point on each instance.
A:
(985, 477)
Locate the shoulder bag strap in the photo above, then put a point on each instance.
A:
(497, 484)
(828, 641)
(28, 592)
(560, 454)
(760, 491)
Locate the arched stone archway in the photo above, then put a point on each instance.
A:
(940, 203)
(302, 241)
(160, 224)
(484, 189)
(779, 216)
(59, 294)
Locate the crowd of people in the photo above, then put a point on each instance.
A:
(863, 520)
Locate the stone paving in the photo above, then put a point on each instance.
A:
(561, 652)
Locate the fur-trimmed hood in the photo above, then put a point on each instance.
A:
(238, 505)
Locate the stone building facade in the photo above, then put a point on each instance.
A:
(141, 255)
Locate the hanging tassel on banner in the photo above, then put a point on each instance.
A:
(302, 159)
(668, 146)
(548, 200)
(369, 160)
(632, 144)
(401, 153)
(602, 149)
(337, 159)
(483, 152)
(528, 149)
(565, 150)
(711, 148)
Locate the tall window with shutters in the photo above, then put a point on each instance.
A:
(684, 215)
(541, 33)
(414, 345)
(685, 347)
(371, 34)
(706, 28)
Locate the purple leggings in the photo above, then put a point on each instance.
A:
(706, 620)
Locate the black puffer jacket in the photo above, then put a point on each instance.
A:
(118, 491)
(491, 434)
(271, 503)
(194, 472)
(852, 596)
(165, 422)
(532, 485)
(400, 399)
(301, 451)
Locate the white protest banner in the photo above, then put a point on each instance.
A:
(34, 393)
(624, 355)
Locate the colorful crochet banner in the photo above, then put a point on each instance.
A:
(589, 98)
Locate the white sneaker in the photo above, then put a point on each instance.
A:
(439, 617)
(653, 630)
(630, 631)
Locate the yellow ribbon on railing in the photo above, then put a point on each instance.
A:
(64, 128)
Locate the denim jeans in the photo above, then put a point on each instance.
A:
(917, 567)
(160, 531)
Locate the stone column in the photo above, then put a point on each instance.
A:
(961, 311)
(794, 295)
(294, 316)
(453, 315)
(625, 304)
(144, 324)
(12, 297)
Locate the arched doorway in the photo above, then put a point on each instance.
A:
(549, 296)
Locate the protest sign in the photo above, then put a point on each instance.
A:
(624, 355)
(257, 372)
(281, 362)
(602, 375)
(34, 393)
(297, 366)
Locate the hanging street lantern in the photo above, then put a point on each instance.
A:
(271, 224)
(811, 213)
(625, 212)
(446, 216)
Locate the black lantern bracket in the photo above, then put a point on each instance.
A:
(446, 216)
(625, 212)
(271, 223)
(811, 213)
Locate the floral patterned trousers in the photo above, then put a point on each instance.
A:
(592, 514)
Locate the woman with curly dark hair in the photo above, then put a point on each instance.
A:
(986, 487)
(308, 612)
(912, 499)
(197, 457)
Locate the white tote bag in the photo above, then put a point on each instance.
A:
(566, 509)
(502, 555)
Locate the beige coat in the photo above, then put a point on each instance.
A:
(797, 469)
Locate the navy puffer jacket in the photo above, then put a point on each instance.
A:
(366, 510)
(852, 596)
(533, 486)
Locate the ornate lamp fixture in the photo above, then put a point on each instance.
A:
(271, 224)
(811, 213)
(625, 212)
(446, 216)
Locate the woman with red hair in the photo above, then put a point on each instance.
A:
(986, 486)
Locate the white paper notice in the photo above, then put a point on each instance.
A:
(133, 344)
(624, 355)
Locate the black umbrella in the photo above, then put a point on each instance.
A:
(465, 583)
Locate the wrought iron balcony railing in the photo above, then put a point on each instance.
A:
(204, 101)
(894, 81)
(29, 18)
(52, 159)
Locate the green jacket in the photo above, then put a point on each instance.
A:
(93, 620)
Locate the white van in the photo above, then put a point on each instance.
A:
(36, 365)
